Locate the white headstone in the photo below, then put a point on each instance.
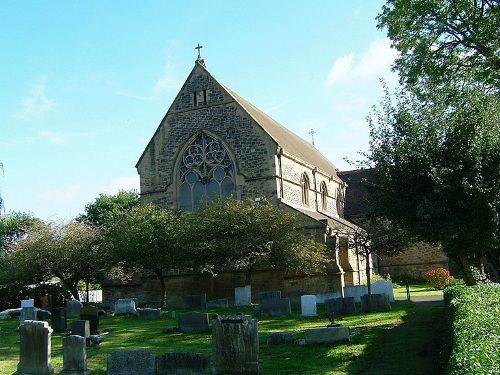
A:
(308, 303)
(27, 303)
(355, 291)
(383, 287)
(125, 306)
(243, 296)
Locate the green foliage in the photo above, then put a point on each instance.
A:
(444, 42)
(107, 208)
(474, 315)
(14, 226)
(438, 278)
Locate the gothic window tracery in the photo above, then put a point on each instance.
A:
(323, 191)
(340, 201)
(304, 183)
(205, 171)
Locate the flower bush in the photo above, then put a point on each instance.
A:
(438, 278)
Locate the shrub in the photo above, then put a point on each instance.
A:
(438, 278)
(474, 316)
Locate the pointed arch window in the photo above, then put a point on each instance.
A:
(205, 171)
(304, 183)
(323, 191)
(340, 201)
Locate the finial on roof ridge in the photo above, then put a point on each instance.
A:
(200, 60)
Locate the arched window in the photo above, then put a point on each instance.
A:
(323, 191)
(340, 201)
(205, 171)
(304, 183)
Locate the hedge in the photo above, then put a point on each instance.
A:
(474, 313)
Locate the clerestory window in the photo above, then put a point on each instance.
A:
(206, 171)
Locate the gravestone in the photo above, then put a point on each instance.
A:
(74, 356)
(243, 296)
(308, 305)
(383, 287)
(73, 308)
(35, 349)
(91, 313)
(276, 307)
(80, 328)
(170, 314)
(149, 313)
(27, 303)
(193, 322)
(273, 294)
(182, 363)
(375, 303)
(222, 303)
(278, 338)
(326, 335)
(131, 362)
(125, 306)
(195, 301)
(340, 306)
(27, 313)
(322, 297)
(355, 291)
(235, 345)
(59, 320)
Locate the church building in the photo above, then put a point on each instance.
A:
(213, 142)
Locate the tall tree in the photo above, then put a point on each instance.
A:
(14, 226)
(437, 171)
(150, 238)
(446, 42)
(243, 234)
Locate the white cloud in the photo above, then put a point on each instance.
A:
(375, 63)
(169, 79)
(36, 103)
(52, 137)
(64, 195)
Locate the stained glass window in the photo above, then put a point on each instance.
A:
(206, 171)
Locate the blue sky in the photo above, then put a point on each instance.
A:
(84, 85)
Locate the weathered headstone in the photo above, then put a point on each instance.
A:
(340, 306)
(278, 338)
(326, 335)
(272, 294)
(80, 328)
(355, 291)
(91, 313)
(125, 306)
(375, 303)
(193, 322)
(235, 345)
(73, 308)
(27, 303)
(321, 297)
(276, 307)
(149, 313)
(222, 303)
(35, 349)
(59, 320)
(131, 362)
(308, 305)
(27, 313)
(383, 287)
(243, 296)
(195, 301)
(74, 356)
(182, 363)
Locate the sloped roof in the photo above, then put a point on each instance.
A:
(289, 141)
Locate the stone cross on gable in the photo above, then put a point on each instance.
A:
(312, 132)
(199, 51)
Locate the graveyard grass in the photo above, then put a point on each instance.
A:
(409, 337)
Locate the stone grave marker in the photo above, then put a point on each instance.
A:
(355, 291)
(73, 308)
(149, 313)
(340, 306)
(278, 338)
(27, 303)
(322, 297)
(182, 363)
(27, 313)
(81, 328)
(193, 322)
(383, 287)
(276, 307)
(308, 305)
(375, 303)
(273, 294)
(195, 301)
(235, 345)
(125, 306)
(243, 296)
(131, 362)
(35, 349)
(326, 335)
(74, 356)
(59, 320)
(91, 313)
(222, 303)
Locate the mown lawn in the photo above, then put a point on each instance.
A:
(385, 343)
